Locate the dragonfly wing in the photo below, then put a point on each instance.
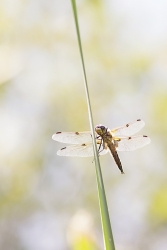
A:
(83, 150)
(129, 129)
(73, 137)
(132, 143)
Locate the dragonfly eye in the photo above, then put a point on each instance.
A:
(100, 129)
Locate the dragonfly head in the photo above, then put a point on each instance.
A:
(101, 129)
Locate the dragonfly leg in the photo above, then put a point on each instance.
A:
(99, 147)
(102, 143)
(98, 150)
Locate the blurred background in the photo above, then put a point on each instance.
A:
(49, 202)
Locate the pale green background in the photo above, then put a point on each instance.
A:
(47, 201)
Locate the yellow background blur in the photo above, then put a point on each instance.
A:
(49, 202)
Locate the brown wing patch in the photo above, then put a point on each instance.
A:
(77, 133)
(83, 144)
(129, 138)
(58, 133)
(145, 136)
(138, 120)
(63, 148)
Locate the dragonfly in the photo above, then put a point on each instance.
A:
(108, 140)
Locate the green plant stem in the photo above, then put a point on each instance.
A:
(105, 219)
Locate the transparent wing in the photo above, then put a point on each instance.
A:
(129, 129)
(132, 143)
(73, 137)
(83, 150)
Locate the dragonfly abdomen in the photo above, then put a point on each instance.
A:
(116, 157)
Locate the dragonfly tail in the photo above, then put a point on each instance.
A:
(116, 157)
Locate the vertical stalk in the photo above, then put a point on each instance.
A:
(105, 219)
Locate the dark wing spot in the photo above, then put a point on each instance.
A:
(129, 138)
(63, 148)
(58, 133)
(138, 120)
(127, 125)
(83, 144)
(145, 136)
(77, 133)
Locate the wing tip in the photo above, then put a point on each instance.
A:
(59, 152)
(140, 120)
(53, 137)
(149, 140)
